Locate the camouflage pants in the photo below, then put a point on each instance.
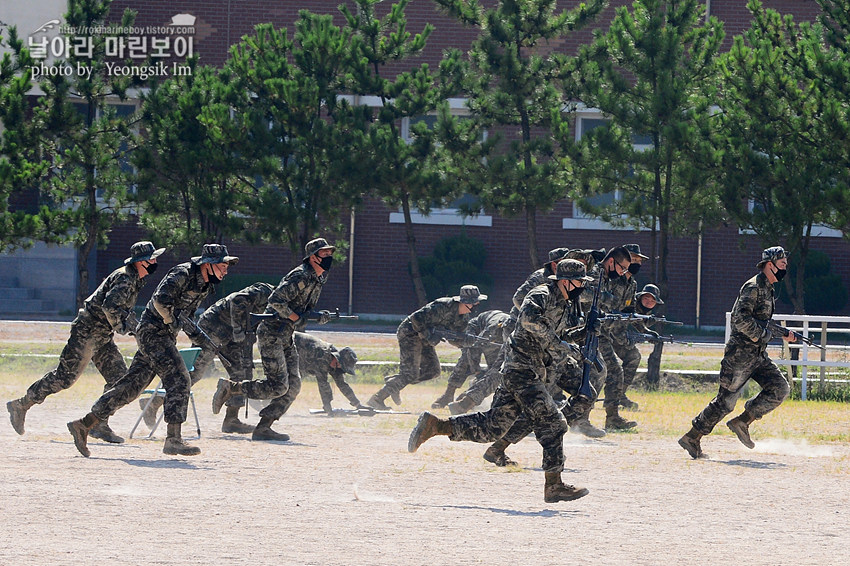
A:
(157, 355)
(327, 394)
(522, 393)
(282, 382)
(565, 376)
(417, 362)
(91, 340)
(742, 362)
(485, 384)
(613, 349)
(237, 352)
(463, 369)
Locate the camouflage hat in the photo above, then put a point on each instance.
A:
(141, 251)
(634, 249)
(650, 289)
(558, 254)
(469, 295)
(347, 359)
(772, 254)
(590, 257)
(314, 246)
(215, 253)
(570, 269)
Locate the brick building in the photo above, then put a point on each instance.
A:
(381, 285)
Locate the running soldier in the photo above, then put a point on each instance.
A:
(228, 324)
(481, 388)
(417, 335)
(177, 297)
(291, 303)
(613, 341)
(746, 358)
(319, 358)
(106, 311)
(489, 326)
(536, 338)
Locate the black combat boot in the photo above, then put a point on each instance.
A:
(463, 405)
(18, 412)
(149, 411)
(264, 431)
(555, 490)
(740, 425)
(174, 444)
(690, 442)
(232, 424)
(495, 454)
(427, 427)
(102, 431)
(445, 398)
(80, 431)
(613, 420)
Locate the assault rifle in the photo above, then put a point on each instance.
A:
(256, 319)
(205, 338)
(464, 338)
(634, 337)
(633, 316)
(590, 350)
(778, 330)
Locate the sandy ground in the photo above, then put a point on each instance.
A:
(345, 491)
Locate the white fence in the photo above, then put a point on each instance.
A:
(833, 356)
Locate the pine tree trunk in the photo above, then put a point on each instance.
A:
(418, 287)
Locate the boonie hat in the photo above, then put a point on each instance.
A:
(558, 254)
(650, 289)
(215, 253)
(570, 269)
(634, 249)
(347, 359)
(315, 245)
(774, 253)
(141, 251)
(469, 295)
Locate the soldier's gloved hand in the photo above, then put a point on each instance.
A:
(238, 334)
(324, 317)
(570, 347)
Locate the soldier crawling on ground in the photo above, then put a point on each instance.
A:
(106, 311)
(417, 335)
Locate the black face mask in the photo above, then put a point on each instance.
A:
(152, 267)
(213, 278)
(575, 293)
(780, 274)
(634, 268)
(325, 262)
(613, 274)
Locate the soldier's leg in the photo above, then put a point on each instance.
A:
(111, 365)
(325, 392)
(279, 405)
(630, 356)
(481, 387)
(456, 379)
(775, 390)
(409, 362)
(273, 353)
(613, 387)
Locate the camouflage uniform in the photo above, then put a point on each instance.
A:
(227, 323)
(418, 359)
(297, 292)
(181, 291)
(490, 326)
(745, 358)
(106, 311)
(315, 358)
(536, 340)
(614, 344)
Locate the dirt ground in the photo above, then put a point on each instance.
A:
(346, 491)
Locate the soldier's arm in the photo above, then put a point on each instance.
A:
(165, 296)
(742, 313)
(533, 320)
(285, 293)
(422, 318)
(119, 302)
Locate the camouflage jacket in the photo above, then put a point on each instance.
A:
(544, 320)
(621, 299)
(536, 278)
(181, 291)
(314, 355)
(488, 325)
(113, 301)
(755, 302)
(298, 292)
(230, 314)
(439, 313)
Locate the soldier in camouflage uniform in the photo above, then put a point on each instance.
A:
(746, 358)
(488, 325)
(319, 358)
(620, 290)
(106, 311)
(176, 298)
(292, 301)
(538, 336)
(228, 324)
(481, 388)
(417, 335)
(644, 303)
